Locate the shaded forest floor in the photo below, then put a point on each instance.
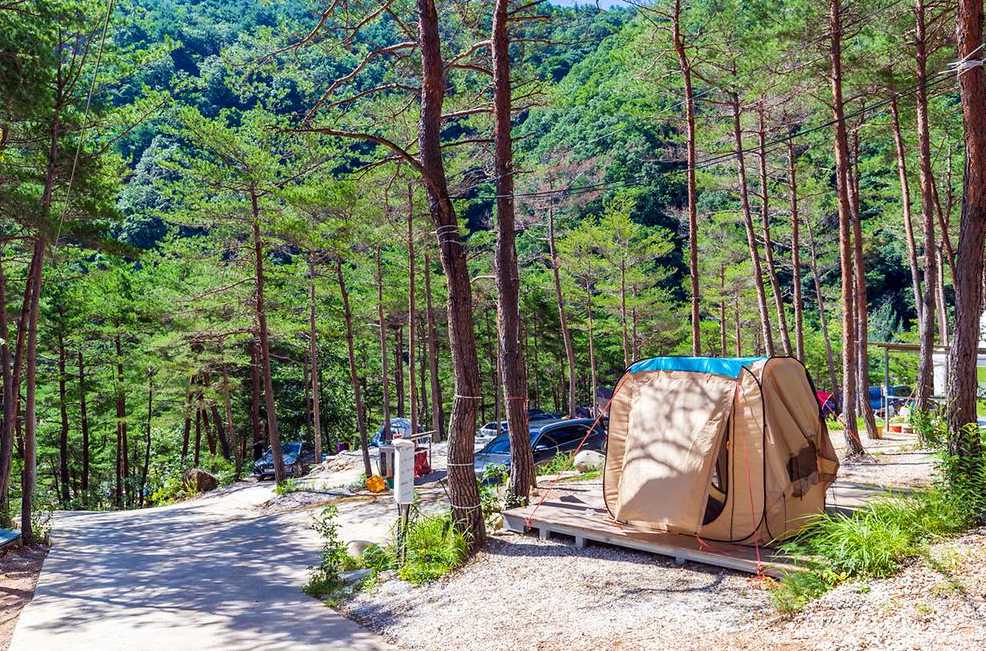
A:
(19, 569)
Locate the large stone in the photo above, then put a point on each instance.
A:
(201, 480)
(588, 460)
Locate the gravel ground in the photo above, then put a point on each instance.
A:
(935, 603)
(520, 592)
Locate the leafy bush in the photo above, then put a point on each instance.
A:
(558, 463)
(377, 558)
(287, 486)
(325, 578)
(490, 485)
(797, 589)
(433, 549)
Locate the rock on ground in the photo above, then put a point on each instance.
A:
(587, 460)
(201, 480)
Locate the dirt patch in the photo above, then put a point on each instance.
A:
(19, 569)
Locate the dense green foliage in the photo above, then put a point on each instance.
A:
(189, 109)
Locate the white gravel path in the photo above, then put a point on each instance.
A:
(522, 593)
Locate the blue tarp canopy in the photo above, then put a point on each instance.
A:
(724, 366)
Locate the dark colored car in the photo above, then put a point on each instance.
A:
(399, 428)
(298, 459)
(548, 438)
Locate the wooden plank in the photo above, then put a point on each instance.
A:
(577, 519)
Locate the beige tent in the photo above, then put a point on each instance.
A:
(730, 450)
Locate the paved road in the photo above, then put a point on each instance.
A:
(208, 574)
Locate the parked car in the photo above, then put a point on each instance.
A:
(399, 428)
(548, 438)
(298, 457)
(490, 431)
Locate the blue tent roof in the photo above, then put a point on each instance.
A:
(725, 366)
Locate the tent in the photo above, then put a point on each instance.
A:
(729, 450)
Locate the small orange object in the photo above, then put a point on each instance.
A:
(376, 484)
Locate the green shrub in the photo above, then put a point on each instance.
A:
(795, 590)
(558, 463)
(286, 487)
(377, 558)
(433, 548)
(325, 579)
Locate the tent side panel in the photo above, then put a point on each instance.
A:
(676, 421)
(801, 461)
(619, 421)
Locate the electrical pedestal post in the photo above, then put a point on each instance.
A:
(403, 490)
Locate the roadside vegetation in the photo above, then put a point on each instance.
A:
(878, 540)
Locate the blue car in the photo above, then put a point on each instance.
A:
(548, 438)
(298, 459)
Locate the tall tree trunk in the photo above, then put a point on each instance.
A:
(83, 423)
(411, 312)
(941, 309)
(255, 421)
(962, 380)
(768, 245)
(685, 67)
(722, 310)
(147, 437)
(736, 321)
(347, 316)
(822, 318)
(861, 305)
(751, 240)
(563, 321)
(228, 424)
(853, 442)
(222, 433)
(197, 454)
(265, 363)
(29, 472)
(437, 403)
(12, 383)
(926, 324)
(623, 308)
(635, 325)
(122, 449)
(905, 200)
(799, 320)
(463, 488)
(399, 369)
(210, 434)
(593, 383)
(6, 377)
(313, 356)
(63, 469)
(187, 425)
(384, 371)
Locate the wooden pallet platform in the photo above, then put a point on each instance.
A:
(581, 515)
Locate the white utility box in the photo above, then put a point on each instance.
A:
(403, 471)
